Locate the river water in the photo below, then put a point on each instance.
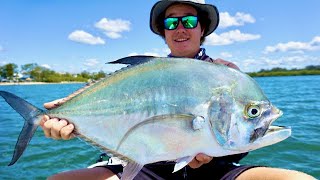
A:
(296, 96)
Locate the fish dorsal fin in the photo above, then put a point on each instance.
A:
(182, 162)
(130, 60)
(133, 60)
(131, 170)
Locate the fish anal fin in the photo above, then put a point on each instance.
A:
(131, 170)
(182, 162)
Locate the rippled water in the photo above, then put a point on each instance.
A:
(297, 97)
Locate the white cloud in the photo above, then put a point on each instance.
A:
(94, 65)
(226, 55)
(226, 20)
(113, 35)
(290, 46)
(1, 49)
(315, 41)
(113, 28)
(91, 62)
(288, 62)
(154, 52)
(3, 62)
(46, 66)
(230, 38)
(84, 37)
(295, 46)
(145, 54)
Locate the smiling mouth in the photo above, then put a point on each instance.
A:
(181, 40)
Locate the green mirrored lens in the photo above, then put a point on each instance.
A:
(171, 23)
(189, 22)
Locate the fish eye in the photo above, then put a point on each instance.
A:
(253, 111)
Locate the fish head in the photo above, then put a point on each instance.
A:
(242, 121)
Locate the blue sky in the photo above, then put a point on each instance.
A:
(77, 35)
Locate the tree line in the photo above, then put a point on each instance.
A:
(308, 70)
(38, 73)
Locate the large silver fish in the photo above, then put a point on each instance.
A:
(160, 109)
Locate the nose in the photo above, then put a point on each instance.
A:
(180, 26)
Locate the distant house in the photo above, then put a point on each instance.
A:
(26, 78)
(4, 80)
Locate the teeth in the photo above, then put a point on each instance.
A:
(180, 40)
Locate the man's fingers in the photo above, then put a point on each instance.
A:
(199, 160)
(227, 63)
(56, 128)
(54, 104)
(194, 163)
(47, 126)
(203, 158)
(66, 132)
(44, 119)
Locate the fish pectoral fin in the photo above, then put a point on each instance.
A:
(131, 170)
(198, 123)
(182, 162)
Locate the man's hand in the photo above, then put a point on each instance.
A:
(56, 128)
(199, 160)
(226, 63)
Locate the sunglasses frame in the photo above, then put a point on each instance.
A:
(180, 19)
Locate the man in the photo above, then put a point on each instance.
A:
(184, 26)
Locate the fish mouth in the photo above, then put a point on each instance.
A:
(275, 130)
(267, 128)
(272, 135)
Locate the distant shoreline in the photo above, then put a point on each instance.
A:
(34, 83)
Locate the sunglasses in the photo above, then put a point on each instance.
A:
(188, 22)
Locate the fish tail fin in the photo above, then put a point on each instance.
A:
(31, 115)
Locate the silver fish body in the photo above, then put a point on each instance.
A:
(170, 109)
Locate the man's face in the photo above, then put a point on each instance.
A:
(181, 41)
